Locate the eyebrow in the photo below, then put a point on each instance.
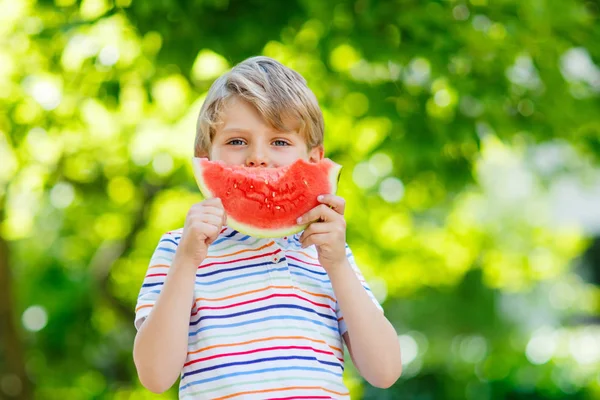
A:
(242, 130)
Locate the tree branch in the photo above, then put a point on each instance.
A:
(11, 346)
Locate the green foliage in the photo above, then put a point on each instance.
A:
(454, 121)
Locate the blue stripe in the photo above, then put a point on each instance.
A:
(307, 269)
(310, 277)
(166, 249)
(148, 292)
(218, 271)
(259, 360)
(239, 276)
(216, 242)
(254, 321)
(272, 307)
(224, 238)
(260, 371)
(169, 240)
(152, 284)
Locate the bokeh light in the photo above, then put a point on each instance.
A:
(35, 318)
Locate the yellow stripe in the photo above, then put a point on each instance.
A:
(241, 251)
(282, 389)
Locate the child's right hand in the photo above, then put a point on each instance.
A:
(203, 224)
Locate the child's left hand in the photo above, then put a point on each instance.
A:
(327, 230)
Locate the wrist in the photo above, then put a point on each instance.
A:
(339, 270)
(180, 261)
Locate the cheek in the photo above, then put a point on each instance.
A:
(215, 153)
(224, 153)
(286, 155)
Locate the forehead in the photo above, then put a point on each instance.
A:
(238, 113)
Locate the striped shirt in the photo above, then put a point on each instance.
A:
(265, 322)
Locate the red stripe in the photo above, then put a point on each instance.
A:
(302, 261)
(260, 299)
(300, 397)
(241, 353)
(151, 275)
(239, 259)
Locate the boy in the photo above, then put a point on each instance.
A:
(239, 317)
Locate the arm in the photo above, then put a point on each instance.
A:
(371, 339)
(161, 344)
(160, 347)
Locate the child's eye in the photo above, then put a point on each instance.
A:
(236, 142)
(281, 143)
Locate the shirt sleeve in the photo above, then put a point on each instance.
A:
(161, 260)
(359, 275)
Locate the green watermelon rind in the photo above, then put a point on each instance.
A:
(334, 175)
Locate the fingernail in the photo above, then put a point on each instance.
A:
(299, 220)
(320, 198)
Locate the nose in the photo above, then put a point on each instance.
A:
(257, 158)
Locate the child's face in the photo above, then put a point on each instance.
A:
(244, 138)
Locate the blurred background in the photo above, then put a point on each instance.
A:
(469, 132)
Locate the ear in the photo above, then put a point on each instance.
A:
(202, 153)
(316, 154)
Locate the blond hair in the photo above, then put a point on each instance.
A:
(276, 91)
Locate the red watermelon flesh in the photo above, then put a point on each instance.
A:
(266, 202)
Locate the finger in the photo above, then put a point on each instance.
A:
(212, 201)
(323, 227)
(207, 229)
(317, 239)
(224, 220)
(211, 232)
(201, 227)
(215, 220)
(211, 210)
(204, 209)
(334, 231)
(335, 202)
(320, 212)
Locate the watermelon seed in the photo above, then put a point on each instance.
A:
(251, 187)
(273, 194)
(304, 180)
(266, 182)
(277, 207)
(266, 200)
(235, 185)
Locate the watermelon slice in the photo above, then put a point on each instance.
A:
(265, 202)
